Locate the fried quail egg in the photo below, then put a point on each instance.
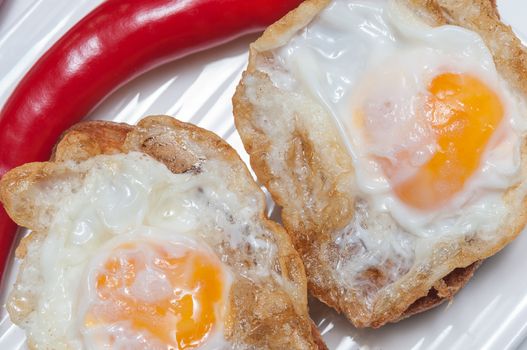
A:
(391, 136)
(151, 236)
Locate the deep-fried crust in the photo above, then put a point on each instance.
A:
(88, 139)
(318, 337)
(452, 283)
(253, 315)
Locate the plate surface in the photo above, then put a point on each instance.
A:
(489, 313)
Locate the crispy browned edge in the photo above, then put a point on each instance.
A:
(511, 61)
(91, 138)
(317, 337)
(453, 282)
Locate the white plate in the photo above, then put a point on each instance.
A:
(489, 313)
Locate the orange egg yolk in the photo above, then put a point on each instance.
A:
(462, 112)
(181, 318)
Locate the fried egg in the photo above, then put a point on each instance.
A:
(392, 139)
(127, 254)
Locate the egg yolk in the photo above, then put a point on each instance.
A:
(173, 298)
(462, 113)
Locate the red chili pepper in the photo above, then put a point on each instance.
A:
(114, 43)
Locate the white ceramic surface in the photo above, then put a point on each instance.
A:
(489, 313)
